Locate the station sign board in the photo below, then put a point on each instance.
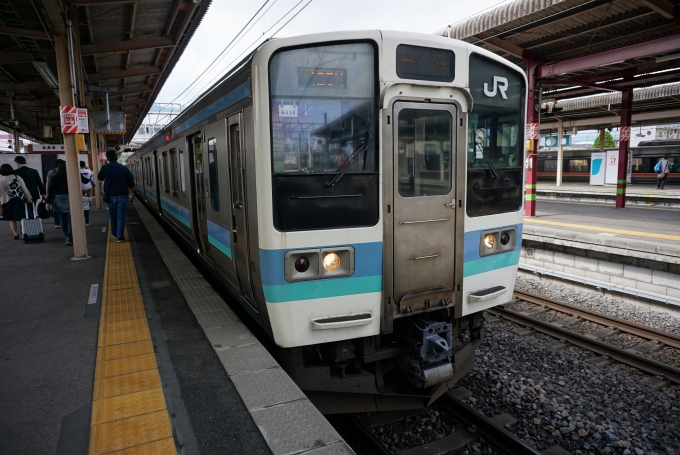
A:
(625, 134)
(73, 120)
(532, 131)
(116, 122)
(612, 167)
(597, 168)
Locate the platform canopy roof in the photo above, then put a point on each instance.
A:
(581, 48)
(129, 45)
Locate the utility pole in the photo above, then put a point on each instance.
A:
(66, 98)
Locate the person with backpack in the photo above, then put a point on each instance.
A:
(118, 181)
(86, 182)
(662, 168)
(13, 196)
(57, 198)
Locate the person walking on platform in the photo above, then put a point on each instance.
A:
(32, 180)
(50, 174)
(86, 208)
(118, 181)
(57, 198)
(664, 168)
(13, 196)
(86, 183)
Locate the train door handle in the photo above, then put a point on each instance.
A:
(206, 189)
(451, 204)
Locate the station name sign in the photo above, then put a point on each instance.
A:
(73, 120)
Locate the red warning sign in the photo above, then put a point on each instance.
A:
(532, 131)
(73, 120)
(625, 133)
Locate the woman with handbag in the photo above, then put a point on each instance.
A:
(13, 197)
(58, 197)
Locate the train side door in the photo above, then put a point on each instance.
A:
(238, 208)
(157, 182)
(424, 215)
(199, 193)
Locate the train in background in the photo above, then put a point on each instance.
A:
(360, 194)
(576, 163)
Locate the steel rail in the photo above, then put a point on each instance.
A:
(363, 436)
(594, 316)
(599, 347)
(493, 432)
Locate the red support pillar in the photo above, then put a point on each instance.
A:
(531, 143)
(624, 142)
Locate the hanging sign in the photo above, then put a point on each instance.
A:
(102, 156)
(625, 134)
(73, 120)
(532, 131)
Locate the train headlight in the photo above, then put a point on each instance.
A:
(331, 262)
(302, 264)
(489, 241)
(505, 238)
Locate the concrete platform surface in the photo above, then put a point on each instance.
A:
(48, 341)
(645, 195)
(635, 223)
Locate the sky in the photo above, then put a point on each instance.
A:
(225, 18)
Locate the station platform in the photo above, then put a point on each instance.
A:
(150, 359)
(636, 194)
(632, 252)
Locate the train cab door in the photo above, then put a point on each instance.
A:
(157, 182)
(424, 205)
(238, 207)
(199, 194)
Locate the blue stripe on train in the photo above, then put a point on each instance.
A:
(367, 276)
(475, 264)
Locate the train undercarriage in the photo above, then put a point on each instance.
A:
(407, 369)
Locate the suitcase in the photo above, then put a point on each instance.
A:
(32, 228)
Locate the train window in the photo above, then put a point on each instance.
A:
(578, 165)
(212, 175)
(166, 172)
(174, 172)
(495, 137)
(323, 136)
(322, 109)
(237, 175)
(549, 165)
(181, 172)
(424, 152)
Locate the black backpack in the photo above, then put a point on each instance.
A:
(15, 190)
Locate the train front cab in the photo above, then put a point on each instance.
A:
(441, 246)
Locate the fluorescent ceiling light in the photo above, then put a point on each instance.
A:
(46, 74)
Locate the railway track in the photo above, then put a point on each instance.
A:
(474, 425)
(634, 357)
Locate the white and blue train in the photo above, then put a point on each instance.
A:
(360, 194)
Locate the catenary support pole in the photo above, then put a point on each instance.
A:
(66, 98)
(622, 174)
(560, 151)
(94, 153)
(531, 144)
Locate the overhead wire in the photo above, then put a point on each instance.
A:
(255, 42)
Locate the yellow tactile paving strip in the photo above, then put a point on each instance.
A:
(129, 414)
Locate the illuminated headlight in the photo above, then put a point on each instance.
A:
(331, 262)
(489, 241)
(497, 241)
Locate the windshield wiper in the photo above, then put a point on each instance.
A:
(342, 169)
(494, 172)
(345, 166)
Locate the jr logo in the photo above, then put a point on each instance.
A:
(499, 83)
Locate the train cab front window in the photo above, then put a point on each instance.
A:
(495, 138)
(323, 136)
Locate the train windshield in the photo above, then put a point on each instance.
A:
(495, 138)
(323, 111)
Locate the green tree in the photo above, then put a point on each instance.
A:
(608, 141)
